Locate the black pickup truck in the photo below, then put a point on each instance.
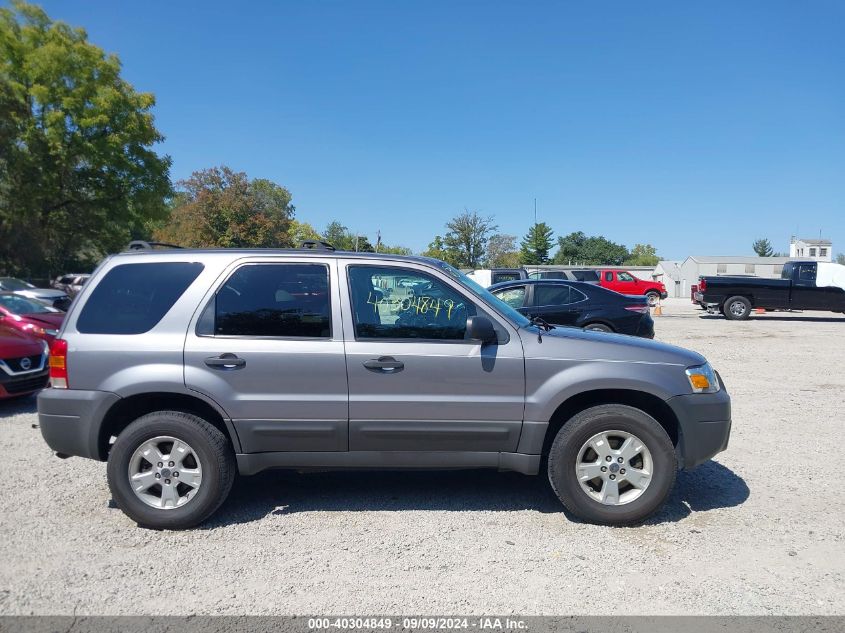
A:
(736, 297)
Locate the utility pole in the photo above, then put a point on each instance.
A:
(535, 211)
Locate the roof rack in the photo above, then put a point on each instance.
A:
(141, 245)
(317, 245)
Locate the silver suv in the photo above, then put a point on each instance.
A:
(182, 368)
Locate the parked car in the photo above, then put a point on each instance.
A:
(26, 289)
(489, 276)
(804, 285)
(625, 283)
(30, 316)
(23, 363)
(578, 304)
(588, 276)
(183, 367)
(70, 284)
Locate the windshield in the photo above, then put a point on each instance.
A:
(10, 283)
(515, 317)
(21, 305)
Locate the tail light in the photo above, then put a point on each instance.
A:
(702, 285)
(641, 309)
(58, 364)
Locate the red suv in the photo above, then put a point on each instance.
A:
(626, 283)
(23, 364)
(30, 316)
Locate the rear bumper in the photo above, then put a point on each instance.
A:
(705, 421)
(70, 420)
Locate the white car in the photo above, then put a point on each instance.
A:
(26, 289)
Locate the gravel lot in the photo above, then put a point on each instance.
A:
(760, 530)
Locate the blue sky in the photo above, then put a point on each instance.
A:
(696, 126)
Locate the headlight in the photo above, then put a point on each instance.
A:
(703, 379)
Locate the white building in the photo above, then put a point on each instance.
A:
(817, 249)
(669, 272)
(679, 277)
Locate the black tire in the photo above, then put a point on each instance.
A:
(578, 430)
(598, 327)
(737, 308)
(653, 298)
(213, 451)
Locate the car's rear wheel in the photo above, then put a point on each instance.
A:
(598, 327)
(612, 464)
(737, 308)
(170, 470)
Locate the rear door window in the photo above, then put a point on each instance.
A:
(133, 298)
(272, 300)
(552, 295)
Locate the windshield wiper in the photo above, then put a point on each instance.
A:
(543, 325)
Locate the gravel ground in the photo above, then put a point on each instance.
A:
(759, 530)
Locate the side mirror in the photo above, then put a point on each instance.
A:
(480, 328)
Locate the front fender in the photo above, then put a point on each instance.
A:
(550, 383)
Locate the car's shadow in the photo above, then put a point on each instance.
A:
(17, 406)
(279, 493)
(775, 317)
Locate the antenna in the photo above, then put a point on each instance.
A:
(535, 211)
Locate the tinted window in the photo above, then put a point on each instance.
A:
(514, 297)
(548, 295)
(498, 277)
(608, 276)
(807, 272)
(133, 298)
(585, 275)
(401, 303)
(285, 300)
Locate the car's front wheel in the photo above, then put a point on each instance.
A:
(612, 464)
(170, 470)
(653, 298)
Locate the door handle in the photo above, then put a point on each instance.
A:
(225, 361)
(385, 364)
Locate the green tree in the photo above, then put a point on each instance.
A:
(467, 237)
(301, 231)
(763, 247)
(221, 207)
(78, 174)
(642, 255)
(502, 251)
(840, 259)
(577, 248)
(536, 244)
(343, 239)
(395, 250)
(438, 249)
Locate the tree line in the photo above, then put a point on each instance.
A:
(472, 240)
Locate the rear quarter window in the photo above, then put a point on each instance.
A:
(133, 298)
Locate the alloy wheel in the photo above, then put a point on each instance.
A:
(165, 472)
(614, 467)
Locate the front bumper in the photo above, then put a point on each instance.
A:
(70, 420)
(22, 384)
(705, 425)
(664, 295)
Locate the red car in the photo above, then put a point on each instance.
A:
(30, 316)
(624, 282)
(23, 364)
